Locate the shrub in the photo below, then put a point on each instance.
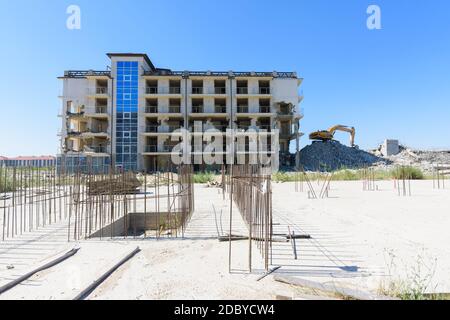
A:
(407, 172)
(203, 177)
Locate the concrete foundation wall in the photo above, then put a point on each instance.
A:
(140, 222)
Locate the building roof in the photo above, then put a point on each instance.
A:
(168, 72)
(143, 55)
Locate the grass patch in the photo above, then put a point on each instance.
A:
(351, 175)
(407, 172)
(204, 177)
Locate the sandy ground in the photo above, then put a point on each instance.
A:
(359, 239)
(365, 238)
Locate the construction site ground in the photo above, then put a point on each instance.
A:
(359, 239)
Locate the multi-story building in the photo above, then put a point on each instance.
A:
(126, 115)
(32, 161)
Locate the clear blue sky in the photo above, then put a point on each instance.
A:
(389, 83)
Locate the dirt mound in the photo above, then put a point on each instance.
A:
(332, 155)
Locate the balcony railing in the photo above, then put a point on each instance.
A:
(242, 90)
(151, 90)
(174, 109)
(285, 132)
(74, 114)
(151, 128)
(72, 132)
(219, 127)
(98, 90)
(264, 90)
(101, 109)
(174, 90)
(95, 149)
(197, 109)
(242, 127)
(220, 109)
(151, 148)
(155, 148)
(264, 109)
(151, 109)
(162, 90)
(97, 130)
(242, 109)
(197, 90)
(220, 90)
(266, 127)
(169, 128)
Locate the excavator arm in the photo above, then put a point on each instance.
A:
(348, 129)
(326, 135)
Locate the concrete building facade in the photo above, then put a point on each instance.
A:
(28, 161)
(126, 116)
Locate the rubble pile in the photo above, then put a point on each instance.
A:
(426, 160)
(332, 155)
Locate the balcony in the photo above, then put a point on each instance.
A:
(96, 131)
(101, 109)
(162, 90)
(151, 148)
(220, 90)
(165, 148)
(242, 127)
(242, 90)
(174, 90)
(264, 90)
(174, 109)
(74, 114)
(151, 129)
(97, 111)
(151, 109)
(95, 149)
(220, 109)
(218, 127)
(265, 127)
(197, 109)
(264, 109)
(242, 109)
(169, 128)
(73, 133)
(197, 90)
(156, 148)
(151, 90)
(98, 91)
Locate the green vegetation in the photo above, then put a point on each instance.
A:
(352, 175)
(6, 185)
(417, 281)
(407, 172)
(204, 177)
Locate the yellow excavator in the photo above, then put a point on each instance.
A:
(327, 135)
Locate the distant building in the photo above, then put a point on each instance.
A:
(21, 161)
(390, 147)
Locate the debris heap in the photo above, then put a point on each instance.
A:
(127, 183)
(332, 155)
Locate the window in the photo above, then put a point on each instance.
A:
(127, 110)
